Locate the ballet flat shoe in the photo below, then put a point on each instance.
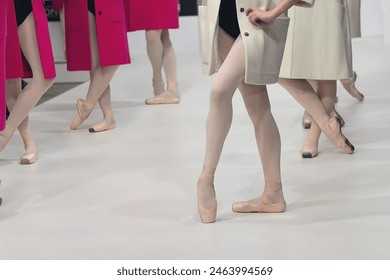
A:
(349, 85)
(207, 213)
(28, 158)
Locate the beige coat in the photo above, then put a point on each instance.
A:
(263, 45)
(318, 44)
(354, 18)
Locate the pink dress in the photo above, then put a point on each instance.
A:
(3, 34)
(152, 14)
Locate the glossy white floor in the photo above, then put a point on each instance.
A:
(129, 193)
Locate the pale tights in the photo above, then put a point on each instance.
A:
(99, 86)
(319, 106)
(162, 56)
(230, 77)
(20, 103)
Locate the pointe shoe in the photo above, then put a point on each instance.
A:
(335, 113)
(170, 96)
(337, 137)
(306, 120)
(262, 204)
(349, 85)
(82, 113)
(28, 158)
(207, 204)
(309, 151)
(104, 125)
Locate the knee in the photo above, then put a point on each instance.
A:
(153, 37)
(219, 96)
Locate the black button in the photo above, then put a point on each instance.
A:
(246, 34)
(100, 12)
(242, 10)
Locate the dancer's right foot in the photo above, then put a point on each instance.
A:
(207, 203)
(82, 113)
(30, 155)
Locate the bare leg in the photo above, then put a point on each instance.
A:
(331, 126)
(100, 80)
(31, 94)
(162, 55)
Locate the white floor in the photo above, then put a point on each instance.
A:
(129, 193)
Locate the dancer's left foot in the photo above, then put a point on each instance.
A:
(106, 124)
(82, 113)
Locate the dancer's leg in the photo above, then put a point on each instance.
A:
(326, 91)
(155, 50)
(31, 154)
(268, 143)
(168, 61)
(305, 95)
(100, 80)
(108, 121)
(219, 119)
(38, 85)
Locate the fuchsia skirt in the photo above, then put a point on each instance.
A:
(152, 14)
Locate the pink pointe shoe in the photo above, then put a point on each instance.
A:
(207, 204)
(82, 113)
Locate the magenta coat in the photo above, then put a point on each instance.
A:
(16, 64)
(111, 34)
(152, 14)
(3, 35)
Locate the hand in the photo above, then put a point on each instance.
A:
(258, 17)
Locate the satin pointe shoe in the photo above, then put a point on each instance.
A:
(82, 113)
(349, 85)
(306, 120)
(170, 96)
(28, 158)
(335, 113)
(309, 151)
(207, 204)
(337, 137)
(106, 124)
(268, 202)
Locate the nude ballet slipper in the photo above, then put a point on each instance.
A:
(306, 120)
